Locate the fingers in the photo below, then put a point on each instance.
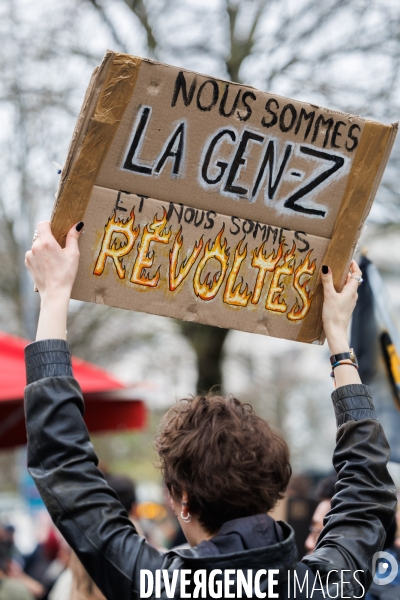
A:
(327, 281)
(44, 231)
(355, 269)
(46, 237)
(43, 238)
(352, 284)
(71, 243)
(28, 258)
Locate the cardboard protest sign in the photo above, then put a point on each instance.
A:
(214, 202)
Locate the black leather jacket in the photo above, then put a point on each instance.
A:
(63, 464)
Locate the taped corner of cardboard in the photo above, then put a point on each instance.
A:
(113, 96)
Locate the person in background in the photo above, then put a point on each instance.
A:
(11, 588)
(39, 565)
(325, 493)
(16, 563)
(7, 534)
(124, 487)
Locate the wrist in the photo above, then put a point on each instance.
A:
(55, 298)
(53, 316)
(338, 343)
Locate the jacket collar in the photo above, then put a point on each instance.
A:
(256, 531)
(280, 555)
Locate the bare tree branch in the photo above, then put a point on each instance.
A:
(138, 7)
(100, 9)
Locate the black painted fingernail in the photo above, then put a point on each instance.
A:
(79, 226)
(325, 270)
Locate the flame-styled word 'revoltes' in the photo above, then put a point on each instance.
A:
(213, 266)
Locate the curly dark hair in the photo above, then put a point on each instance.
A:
(326, 487)
(230, 462)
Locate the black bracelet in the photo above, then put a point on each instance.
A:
(344, 356)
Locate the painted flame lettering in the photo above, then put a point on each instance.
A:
(286, 270)
(264, 264)
(209, 288)
(176, 279)
(154, 232)
(233, 295)
(110, 247)
(297, 313)
(275, 302)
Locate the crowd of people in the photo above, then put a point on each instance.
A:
(54, 572)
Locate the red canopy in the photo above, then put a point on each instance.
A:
(109, 404)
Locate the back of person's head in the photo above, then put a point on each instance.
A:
(326, 488)
(228, 460)
(124, 488)
(4, 556)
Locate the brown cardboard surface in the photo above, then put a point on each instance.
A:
(165, 258)
(226, 153)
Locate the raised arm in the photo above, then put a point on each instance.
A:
(53, 270)
(365, 500)
(336, 315)
(61, 458)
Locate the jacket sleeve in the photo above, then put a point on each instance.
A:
(365, 500)
(63, 464)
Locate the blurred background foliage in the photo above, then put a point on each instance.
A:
(344, 54)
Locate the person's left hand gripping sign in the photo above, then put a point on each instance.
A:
(53, 270)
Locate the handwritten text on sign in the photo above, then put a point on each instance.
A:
(224, 158)
(260, 268)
